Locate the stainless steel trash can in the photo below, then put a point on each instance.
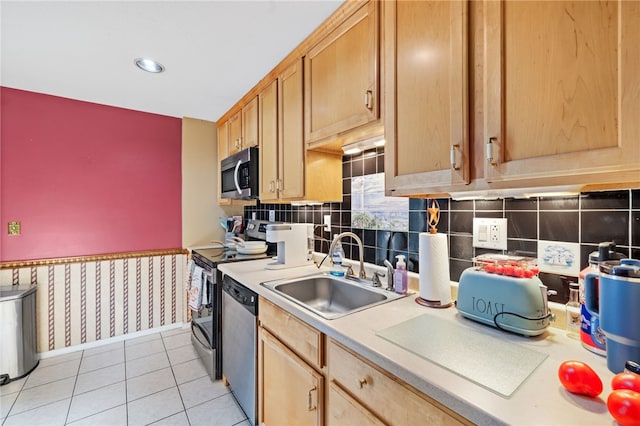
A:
(18, 356)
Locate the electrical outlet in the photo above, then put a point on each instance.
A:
(327, 223)
(490, 233)
(494, 233)
(272, 215)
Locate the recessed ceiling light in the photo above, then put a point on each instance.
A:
(149, 65)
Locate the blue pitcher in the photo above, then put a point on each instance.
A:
(619, 294)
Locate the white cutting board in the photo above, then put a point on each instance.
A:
(496, 364)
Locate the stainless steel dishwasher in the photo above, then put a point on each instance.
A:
(239, 343)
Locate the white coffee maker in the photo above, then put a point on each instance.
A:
(295, 244)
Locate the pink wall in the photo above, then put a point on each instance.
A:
(86, 179)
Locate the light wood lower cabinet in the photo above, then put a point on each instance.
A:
(290, 392)
(291, 383)
(344, 410)
(299, 385)
(385, 397)
(303, 339)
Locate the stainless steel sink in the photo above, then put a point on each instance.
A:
(329, 296)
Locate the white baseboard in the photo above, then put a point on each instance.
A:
(110, 340)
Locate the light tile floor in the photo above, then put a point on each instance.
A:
(156, 379)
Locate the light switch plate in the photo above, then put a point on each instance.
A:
(272, 215)
(327, 222)
(490, 233)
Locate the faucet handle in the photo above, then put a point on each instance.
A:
(376, 279)
(349, 269)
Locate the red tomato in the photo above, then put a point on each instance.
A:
(629, 381)
(508, 270)
(578, 377)
(528, 273)
(499, 269)
(490, 268)
(518, 272)
(624, 406)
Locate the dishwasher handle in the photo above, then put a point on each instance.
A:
(241, 294)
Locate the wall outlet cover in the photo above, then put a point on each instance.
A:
(272, 215)
(490, 233)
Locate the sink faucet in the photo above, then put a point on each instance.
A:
(360, 247)
(390, 272)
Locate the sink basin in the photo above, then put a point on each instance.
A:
(329, 296)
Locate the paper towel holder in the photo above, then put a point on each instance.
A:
(434, 218)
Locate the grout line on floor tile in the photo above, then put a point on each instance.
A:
(94, 414)
(34, 408)
(73, 391)
(176, 381)
(171, 415)
(126, 387)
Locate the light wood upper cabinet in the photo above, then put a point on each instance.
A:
(288, 172)
(250, 124)
(223, 152)
(426, 95)
(562, 90)
(341, 77)
(243, 127)
(234, 134)
(280, 132)
(268, 135)
(290, 133)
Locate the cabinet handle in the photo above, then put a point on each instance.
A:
(310, 405)
(368, 99)
(271, 186)
(489, 153)
(455, 150)
(362, 382)
(279, 185)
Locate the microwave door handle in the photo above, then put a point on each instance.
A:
(235, 177)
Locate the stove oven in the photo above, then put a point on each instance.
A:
(206, 324)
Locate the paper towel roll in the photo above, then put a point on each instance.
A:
(434, 268)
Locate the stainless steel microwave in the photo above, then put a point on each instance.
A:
(239, 175)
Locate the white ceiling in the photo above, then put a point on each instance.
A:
(213, 51)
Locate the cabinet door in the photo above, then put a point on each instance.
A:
(250, 124)
(387, 397)
(344, 410)
(341, 84)
(562, 90)
(268, 136)
(223, 147)
(426, 89)
(289, 391)
(235, 132)
(290, 133)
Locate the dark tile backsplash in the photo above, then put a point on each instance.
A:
(586, 219)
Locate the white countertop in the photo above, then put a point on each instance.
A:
(540, 400)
